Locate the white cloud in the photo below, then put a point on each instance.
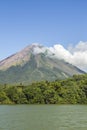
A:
(81, 46)
(60, 52)
(39, 49)
(76, 55)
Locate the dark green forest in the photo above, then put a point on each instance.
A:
(69, 91)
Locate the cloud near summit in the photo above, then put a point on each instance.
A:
(76, 55)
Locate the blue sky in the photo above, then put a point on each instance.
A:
(47, 22)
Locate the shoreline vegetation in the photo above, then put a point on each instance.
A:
(69, 91)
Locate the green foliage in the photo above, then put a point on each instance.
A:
(70, 91)
(4, 99)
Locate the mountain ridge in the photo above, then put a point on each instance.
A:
(35, 63)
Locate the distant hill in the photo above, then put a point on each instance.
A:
(35, 63)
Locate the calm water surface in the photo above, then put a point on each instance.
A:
(43, 117)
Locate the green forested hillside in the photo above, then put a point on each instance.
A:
(69, 91)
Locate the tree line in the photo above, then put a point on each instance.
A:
(70, 91)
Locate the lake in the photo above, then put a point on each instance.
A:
(43, 117)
